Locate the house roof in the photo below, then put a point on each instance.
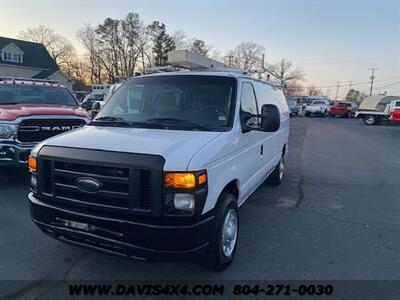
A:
(35, 56)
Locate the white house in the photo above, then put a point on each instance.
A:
(30, 60)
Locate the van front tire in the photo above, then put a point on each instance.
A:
(276, 177)
(224, 241)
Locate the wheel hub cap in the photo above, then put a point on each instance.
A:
(229, 232)
(281, 168)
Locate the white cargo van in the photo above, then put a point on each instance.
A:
(163, 168)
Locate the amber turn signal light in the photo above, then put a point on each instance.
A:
(184, 180)
(202, 179)
(180, 180)
(32, 163)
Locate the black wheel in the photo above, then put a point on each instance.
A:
(307, 114)
(370, 120)
(332, 116)
(276, 176)
(290, 115)
(224, 241)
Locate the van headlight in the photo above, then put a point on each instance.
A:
(184, 202)
(7, 130)
(185, 193)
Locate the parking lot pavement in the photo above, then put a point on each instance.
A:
(335, 217)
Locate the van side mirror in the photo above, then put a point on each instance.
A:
(270, 118)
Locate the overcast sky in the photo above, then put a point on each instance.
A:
(330, 40)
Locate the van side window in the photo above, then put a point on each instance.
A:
(248, 102)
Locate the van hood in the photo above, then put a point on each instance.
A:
(12, 112)
(176, 146)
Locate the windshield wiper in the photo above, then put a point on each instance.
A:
(168, 121)
(8, 103)
(110, 120)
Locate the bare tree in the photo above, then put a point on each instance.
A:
(59, 48)
(293, 88)
(87, 36)
(285, 71)
(80, 71)
(314, 91)
(180, 39)
(116, 48)
(246, 55)
(215, 53)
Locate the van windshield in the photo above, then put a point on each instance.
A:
(182, 102)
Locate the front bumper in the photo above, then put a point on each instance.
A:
(14, 155)
(145, 240)
(315, 111)
(339, 112)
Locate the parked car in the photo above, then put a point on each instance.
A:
(90, 99)
(375, 109)
(30, 112)
(343, 109)
(317, 107)
(293, 108)
(97, 105)
(162, 170)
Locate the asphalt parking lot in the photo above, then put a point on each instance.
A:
(335, 217)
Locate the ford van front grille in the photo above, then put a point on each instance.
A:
(37, 130)
(113, 183)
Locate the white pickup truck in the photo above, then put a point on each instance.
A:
(375, 109)
(317, 107)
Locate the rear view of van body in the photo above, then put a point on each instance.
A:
(163, 168)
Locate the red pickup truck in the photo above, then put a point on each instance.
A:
(32, 111)
(343, 109)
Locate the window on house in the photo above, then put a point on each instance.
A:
(9, 56)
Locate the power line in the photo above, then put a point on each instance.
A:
(385, 85)
(353, 84)
(346, 61)
(389, 84)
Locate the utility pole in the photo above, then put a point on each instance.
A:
(337, 89)
(372, 79)
(329, 94)
(350, 83)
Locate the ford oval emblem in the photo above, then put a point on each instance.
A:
(88, 185)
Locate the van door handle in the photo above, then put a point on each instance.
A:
(262, 150)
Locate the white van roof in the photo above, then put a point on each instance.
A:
(210, 73)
